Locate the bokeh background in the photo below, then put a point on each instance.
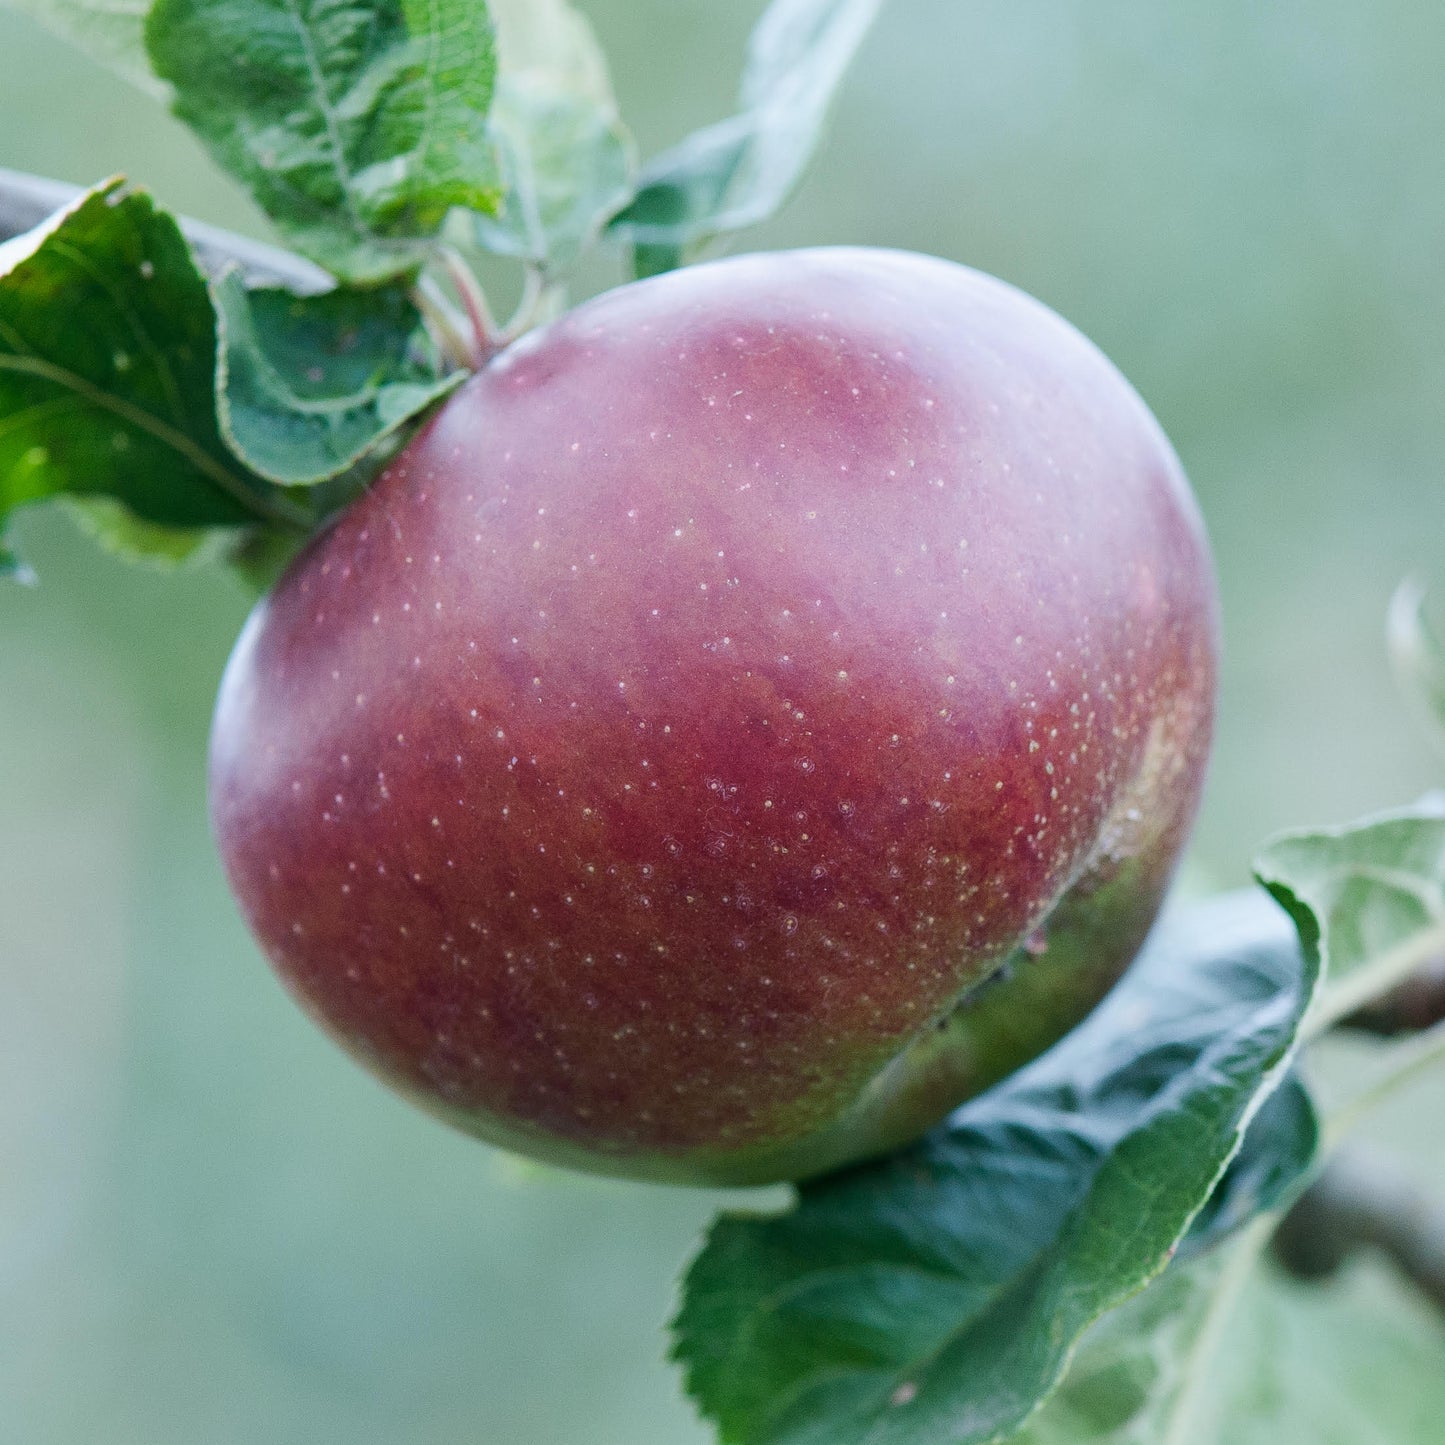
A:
(212, 1227)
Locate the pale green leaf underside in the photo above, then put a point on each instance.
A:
(1370, 897)
(307, 386)
(358, 127)
(933, 1298)
(567, 160)
(1229, 1352)
(567, 168)
(741, 170)
(1130, 1381)
(107, 355)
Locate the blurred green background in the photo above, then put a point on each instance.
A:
(212, 1227)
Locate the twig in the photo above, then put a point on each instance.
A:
(1410, 1007)
(1364, 1202)
(1386, 970)
(450, 329)
(486, 339)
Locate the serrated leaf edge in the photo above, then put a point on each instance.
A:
(443, 388)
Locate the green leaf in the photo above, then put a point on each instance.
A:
(741, 170)
(110, 31)
(935, 1296)
(1230, 1352)
(357, 124)
(121, 533)
(1280, 1146)
(262, 557)
(567, 160)
(1132, 1377)
(308, 385)
(107, 362)
(1416, 653)
(1352, 1364)
(12, 568)
(1368, 900)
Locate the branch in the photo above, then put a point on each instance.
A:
(1409, 1007)
(26, 200)
(1361, 1202)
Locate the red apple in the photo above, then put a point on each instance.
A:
(757, 712)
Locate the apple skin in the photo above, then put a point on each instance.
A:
(756, 712)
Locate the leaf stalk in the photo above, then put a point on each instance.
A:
(485, 339)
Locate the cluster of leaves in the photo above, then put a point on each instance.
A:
(1077, 1255)
(391, 143)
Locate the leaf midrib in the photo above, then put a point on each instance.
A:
(271, 510)
(328, 118)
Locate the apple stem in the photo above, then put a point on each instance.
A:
(449, 327)
(485, 338)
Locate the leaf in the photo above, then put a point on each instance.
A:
(262, 557)
(110, 31)
(107, 360)
(1230, 1352)
(567, 160)
(1131, 1378)
(1280, 1145)
(1416, 654)
(935, 1296)
(121, 533)
(1368, 900)
(1360, 1363)
(308, 385)
(357, 124)
(741, 170)
(12, 568)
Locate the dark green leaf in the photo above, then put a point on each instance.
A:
(357, 124)
(567, 160)
(1416, 653)
(308, 385)
(107, 374)
(934, 1297)
(740, 171)
(1369, 899)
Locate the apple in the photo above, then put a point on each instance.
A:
(757, 711)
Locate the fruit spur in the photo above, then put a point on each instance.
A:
(757, 712)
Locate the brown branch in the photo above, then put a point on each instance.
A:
(1410, 1007)
(27, 200)
(1364, 1202)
